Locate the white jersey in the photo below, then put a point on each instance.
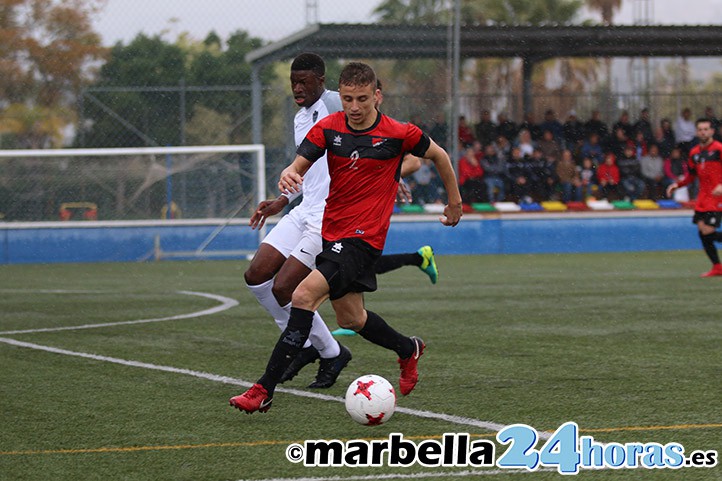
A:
(316, 181)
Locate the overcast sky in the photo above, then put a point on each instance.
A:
(275, 19)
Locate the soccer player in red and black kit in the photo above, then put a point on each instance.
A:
(705, 163)
(364, 151)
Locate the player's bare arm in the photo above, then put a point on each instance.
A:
(266, 209)
(410, 164)
(452, 211)
(292, 176)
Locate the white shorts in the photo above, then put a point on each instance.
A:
(298, 235)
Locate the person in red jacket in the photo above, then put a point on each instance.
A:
(608, 176)
(705, 163)
(471, 177)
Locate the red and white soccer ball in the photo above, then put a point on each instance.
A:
(370, 400)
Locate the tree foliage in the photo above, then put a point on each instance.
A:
(150, 91)
(491, 76)
(47, 51)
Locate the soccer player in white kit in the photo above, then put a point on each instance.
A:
(288, 253)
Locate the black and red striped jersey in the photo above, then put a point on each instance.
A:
(705, 163)
(364, 167)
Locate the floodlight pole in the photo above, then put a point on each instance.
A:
(256, 104)
(455, 72)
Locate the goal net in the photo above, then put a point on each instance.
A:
(130, 184)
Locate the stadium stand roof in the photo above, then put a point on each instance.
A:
(531, 42)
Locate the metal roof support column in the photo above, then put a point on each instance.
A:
(527, 70)
(256, 103)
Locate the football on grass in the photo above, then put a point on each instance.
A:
(370, 400)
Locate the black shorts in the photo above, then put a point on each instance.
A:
(711, 218)
(348, 266)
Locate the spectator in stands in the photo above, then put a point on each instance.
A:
(542, 177)
(506, 127)
(644, 125)
(496, 174)
(618, 142)
(685, 131)
(424, 184)
(471, 178)
(466, 135)
(568, 177)
(589, 185)
(595, 125)
(503, 147)
(439, 131)
(624, 123)
(520, 175)
(593, 149)
(533, 128)
(676, 169)
(525, 143)
(665, 138)
(630, 173)
(551, 123)
(573, 132)
(652, 167)
(608, 177)
(549, 146)
(486, 129)
(640, 144)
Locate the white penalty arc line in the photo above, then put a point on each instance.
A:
(495, 427)
(225, 303)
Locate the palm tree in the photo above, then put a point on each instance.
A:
(606, 8)
(492, 75)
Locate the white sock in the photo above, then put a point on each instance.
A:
(264, 294)
(320, 336)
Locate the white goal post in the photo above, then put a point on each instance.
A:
(214, 183)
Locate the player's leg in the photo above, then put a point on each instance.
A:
(309, 295)
(268, 261)
(350, 314)
(706, 224)
(422, 258)
(334, 357)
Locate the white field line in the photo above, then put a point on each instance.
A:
(226, 303)
(431, 474)
(464, 421)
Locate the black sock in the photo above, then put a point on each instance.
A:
(394, 261)
(377, 331)
(288, 345)
(709, 247)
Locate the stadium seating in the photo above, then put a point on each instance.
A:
(645, 204)
(622, 205)
(602, 204)
(482, 207)
(554, 206)
(507, 206)
(669, 204)
(531, 207)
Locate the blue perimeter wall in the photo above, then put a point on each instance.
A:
(106, 241)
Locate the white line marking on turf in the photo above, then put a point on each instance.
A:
(226, 303)
(239, 382)
(432, 474)
(49, 291)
